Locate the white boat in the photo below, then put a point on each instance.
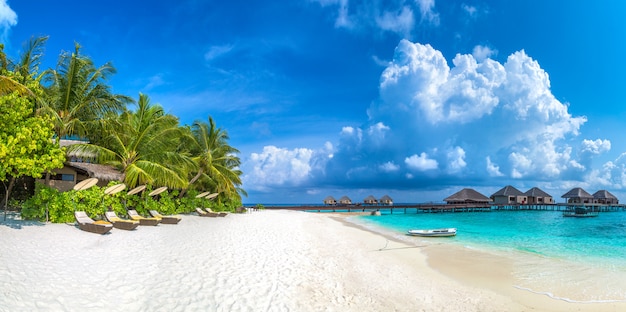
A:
(434, 232)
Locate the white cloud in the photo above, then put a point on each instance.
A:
(480, 53)
(217, 51)
(421, 162)
(427, 9)
(277, 166)
(597, 146)
(493, 169)
(456, 160)
(400, 22)
(8, 19)
(389, 167)
(470, 10)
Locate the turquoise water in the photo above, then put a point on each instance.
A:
(545, 233)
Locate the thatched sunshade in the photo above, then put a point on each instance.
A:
(85, 184)
(136, 190)
(114, 189)
(203, 194)
(158, 191)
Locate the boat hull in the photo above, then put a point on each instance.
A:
(433, 232)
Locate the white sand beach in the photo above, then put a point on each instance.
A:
(261, 261)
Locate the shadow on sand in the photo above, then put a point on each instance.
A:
(15, 221)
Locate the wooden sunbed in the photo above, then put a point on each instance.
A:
(165, 219)
(203, 213)
(87, 224)
(120, 223)
(142, 220)
(219, 213)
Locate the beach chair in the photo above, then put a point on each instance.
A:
(120, 223)
(85, 223)
(219, 213)
(165, 219)
(142, 220)
(203, 213)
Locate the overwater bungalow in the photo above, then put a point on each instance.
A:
(509, 195)
(536, 196)
(468, 196)
(329, 200)
(370, 200)
(578, 196)
(345, 200)
(386, 200)
(605, 197)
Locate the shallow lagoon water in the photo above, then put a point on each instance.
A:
(572, 259)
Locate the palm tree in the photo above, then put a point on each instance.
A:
(15, 76)
(77, 94)
(216, 160)
(142, 144)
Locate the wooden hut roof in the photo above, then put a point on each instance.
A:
(345, 198)
(329, 198)
(370, 198)
(536, 192)
(468, 194)
(101, 172)
(386, 198)
(577, 192)
(603, 194)
(508, 191)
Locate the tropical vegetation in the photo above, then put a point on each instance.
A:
(146, 144)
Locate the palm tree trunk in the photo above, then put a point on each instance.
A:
(195, 178)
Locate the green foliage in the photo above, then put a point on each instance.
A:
(26, 145)
(260, 206)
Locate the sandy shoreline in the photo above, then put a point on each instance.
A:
(263, 261)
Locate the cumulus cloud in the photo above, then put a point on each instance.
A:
(596, 146)
(480, 53)
(8, 19)
(421, 162)
(476, 119)
(277, 166)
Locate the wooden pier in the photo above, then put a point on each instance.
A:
(446, 208)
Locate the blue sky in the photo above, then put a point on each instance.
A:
(414, 99)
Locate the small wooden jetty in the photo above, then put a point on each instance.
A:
(447, 208)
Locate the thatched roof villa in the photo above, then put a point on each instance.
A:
(386, 200)
(467, 196)
(578, 196)
(345, 200)
(370, 200)
(537, 196)
(329, 200)
(509, 195)
(65, 178)
(605, 197)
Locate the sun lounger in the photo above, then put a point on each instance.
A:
(219, 213)
(142, 220)
(165, 219)
(203, 213)
(120, 223)
(85, 223)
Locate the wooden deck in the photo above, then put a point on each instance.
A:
(436, 208)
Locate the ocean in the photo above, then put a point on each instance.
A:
(572, 259)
